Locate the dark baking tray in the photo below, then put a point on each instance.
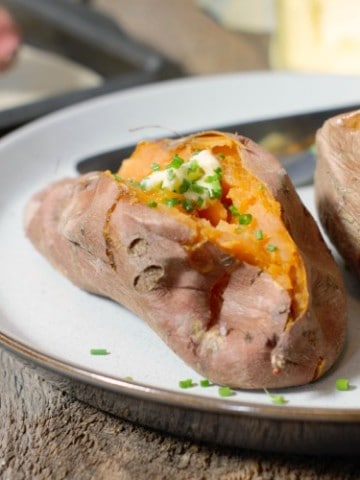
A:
(79, 33)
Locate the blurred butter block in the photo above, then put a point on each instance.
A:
(253, 16)
(317, 36)
(37, 74)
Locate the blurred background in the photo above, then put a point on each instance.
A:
(54, 53)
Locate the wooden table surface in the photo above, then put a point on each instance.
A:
(46, 433)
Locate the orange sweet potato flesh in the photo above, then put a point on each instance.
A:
(240, 313)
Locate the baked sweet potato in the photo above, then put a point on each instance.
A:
(206, 239)
(337, 184)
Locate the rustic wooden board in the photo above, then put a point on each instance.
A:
(46, 433)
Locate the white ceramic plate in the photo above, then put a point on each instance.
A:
(46, 319)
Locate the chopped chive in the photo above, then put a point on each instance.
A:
(221, 156)
(171, 174)
(193, 166)
(187, 205)
(99, 351)
(342, 384)
(194, 187)
(218, 170)
(226, 392)
(271, 247)
(176, 162)
(205, 383)
(134, 183)
(184, 187)
(275, 398)
(215, 190)
(129, 378)
(155, 167)
(261, 186)
(259, 234)
(245, 218)
(211, 179)
(234, 211)
(117, 177)
(170, 202)
(187, 383)
(151, 204)
(199, 201)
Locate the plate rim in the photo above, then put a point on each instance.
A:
(174, 398)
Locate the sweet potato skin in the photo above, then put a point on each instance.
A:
(337, 184)
(225, 318)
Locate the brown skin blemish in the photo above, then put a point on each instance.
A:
(148, 279)
(216, 298)
(311, 337)
(106, 232)
(137, 247)
(272, 342)
(248, 337)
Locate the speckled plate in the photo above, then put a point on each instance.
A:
(47, 321)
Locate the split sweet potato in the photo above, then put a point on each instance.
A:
(337, 184)
(206, 239)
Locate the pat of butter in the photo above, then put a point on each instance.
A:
(172, 179)
(317, 35)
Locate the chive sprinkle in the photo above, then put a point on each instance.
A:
(184, 187)
(187, 383)
(275, 398)
(226, 392)
(245, 218)
(205, 383)
(136, 184)
(151, 204)
(342, 384)
(171, 174)
(187, 205)
(117, 177)
(271, 247)
(176, 162)
(170, 202)
(193, 166)
(259, 234)
(234, 211)
(215, 189)
(210, 178)
(194, 187)
(99, 351)
(155, 167)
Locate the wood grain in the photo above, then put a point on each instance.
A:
(47, 434)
